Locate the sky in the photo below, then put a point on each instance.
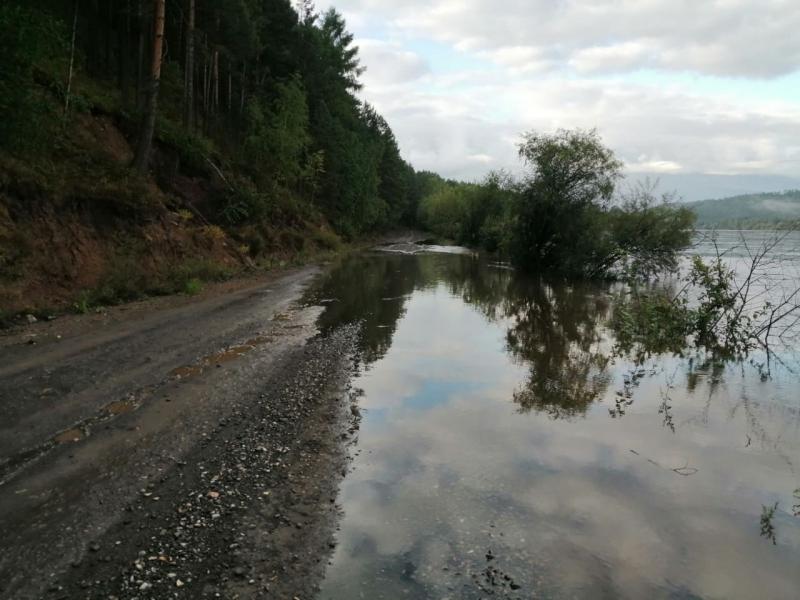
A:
(702, 94)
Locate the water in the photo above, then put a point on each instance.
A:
(506, 452)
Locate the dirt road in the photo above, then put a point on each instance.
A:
(181, 451)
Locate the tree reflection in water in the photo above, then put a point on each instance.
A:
(564, 332)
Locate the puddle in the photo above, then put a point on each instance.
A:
(120, 407)
(228, 355)
(71, 435)
(184, 372)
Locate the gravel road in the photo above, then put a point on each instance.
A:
(182, 449)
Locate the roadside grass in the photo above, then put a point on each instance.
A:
(127, 281)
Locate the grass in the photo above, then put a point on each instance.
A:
(192, 287)
(127, 280)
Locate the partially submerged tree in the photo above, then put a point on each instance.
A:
(721, 309)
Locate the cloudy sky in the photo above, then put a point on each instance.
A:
(704, 93)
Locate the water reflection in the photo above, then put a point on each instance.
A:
(490, 466)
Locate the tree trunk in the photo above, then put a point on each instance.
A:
(206, 89)
(230, 87)
(71, 61)
(149, 120)
(188, 91)
(109, 27)
(140, 54)
(215, 82)
(244, 83)
(206, 86)
(124, 48)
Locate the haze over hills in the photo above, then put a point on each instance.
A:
(752, 211)
(693, 187)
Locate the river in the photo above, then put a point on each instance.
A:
(506, 450)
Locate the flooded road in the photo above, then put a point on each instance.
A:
(508, 450)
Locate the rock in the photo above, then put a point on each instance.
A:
(31, 319)
(239, 572)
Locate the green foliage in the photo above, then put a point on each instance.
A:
(83, 304)
(278, 136)
(444, 211)
(719, 321)
(711, 312)
(652, 322)
(128, 278)
(572, 165)
(471, 214)
(767, 525)
(560, 218)
(558, 222)
(192, 287)
(28, 37)
(647, 232)
(274, 105)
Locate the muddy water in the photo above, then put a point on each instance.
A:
(506, 451)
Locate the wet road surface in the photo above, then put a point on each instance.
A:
(193, 451)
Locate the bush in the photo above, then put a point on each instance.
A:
(443, 212)
(193, 287)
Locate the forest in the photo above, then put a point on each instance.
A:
(271, 90)
(750, 211)
(240, 117)
(149, 146)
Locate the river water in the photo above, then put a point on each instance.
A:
(507, 451)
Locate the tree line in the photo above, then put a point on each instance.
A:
(262, 95)
(269, 85)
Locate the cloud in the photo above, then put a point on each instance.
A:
(661, 80)
(445, 128)
(753, 38)
(389, 64)
(614, 58)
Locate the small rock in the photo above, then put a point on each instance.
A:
(31, 319)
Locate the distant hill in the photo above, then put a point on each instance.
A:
(750, 211)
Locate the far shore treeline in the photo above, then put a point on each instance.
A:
(260, 96)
